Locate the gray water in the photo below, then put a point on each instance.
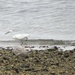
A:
(42, 19)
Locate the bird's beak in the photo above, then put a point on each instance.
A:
(6, 33)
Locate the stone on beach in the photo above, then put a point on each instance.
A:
(20, 50)
(8, 48)
(54, 48)
(1, 48)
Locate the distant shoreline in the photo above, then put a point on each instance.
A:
(39, 42)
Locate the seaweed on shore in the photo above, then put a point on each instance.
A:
(43, 62)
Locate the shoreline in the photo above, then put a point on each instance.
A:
(63, 44)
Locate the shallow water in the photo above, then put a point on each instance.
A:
(42, 19)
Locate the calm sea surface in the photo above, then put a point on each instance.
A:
(42, 19)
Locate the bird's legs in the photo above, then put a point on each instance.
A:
(21, 42)
(26, 38)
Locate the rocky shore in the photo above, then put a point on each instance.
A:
(42, 62)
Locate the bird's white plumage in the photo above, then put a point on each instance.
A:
(18, 36)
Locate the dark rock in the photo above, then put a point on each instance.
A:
(60, 53)
(71, 52)
(53, 73)
(1, 61)
(55, 47)
(29, 69)
(5, 57)
(66, 54)
(16, 70)
(9, 48)
(36, 51)
(25, 65)
(43, 47)
(51, 49)
(13, 53)
(74, 49)
(55, 63)
(46, 52)
(26, 56)
(23, 56)
(32, 47)
(1, 48)
(44, 69)
(36, 59)
(35, 70)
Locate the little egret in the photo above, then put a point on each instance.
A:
(20, 37)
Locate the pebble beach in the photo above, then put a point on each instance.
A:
(38, 62)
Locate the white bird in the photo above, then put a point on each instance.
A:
(20, 37)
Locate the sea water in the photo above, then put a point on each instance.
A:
(42, 19)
